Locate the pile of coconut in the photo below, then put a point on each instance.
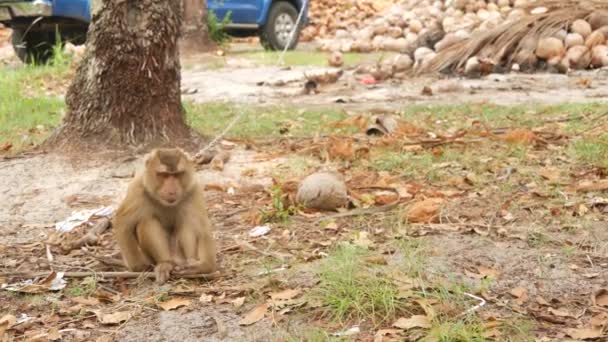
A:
(325, 17)
(551, 35)
(424, 23)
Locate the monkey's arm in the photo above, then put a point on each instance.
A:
(124, 226)
(196, 240)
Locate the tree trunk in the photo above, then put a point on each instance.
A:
(127, 87)
(195, 33)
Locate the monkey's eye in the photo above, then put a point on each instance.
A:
(163, 174)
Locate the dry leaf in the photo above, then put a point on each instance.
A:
(583, 334)
(426, 211)
(560, 312)
(552, 175)
(6, 322)
(521, 294)
(363, 240)
(238, 302)
(285, 294)
(255, 315)
(174, 303)
(520, 136)
(416, 321)
(53, 334)
(601, 298)
(587, 186)
(113, 318)
(488, 272)
(341, 149)
(85, 301)
(205, 298)
(600, 320)
(380, 334)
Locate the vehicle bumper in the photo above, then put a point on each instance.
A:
(37, 8)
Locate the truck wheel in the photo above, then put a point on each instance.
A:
(33, 47)
(274, 35)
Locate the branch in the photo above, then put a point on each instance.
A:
(90, 238)
(128, 275)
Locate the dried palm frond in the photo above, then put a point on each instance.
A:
(505, 41)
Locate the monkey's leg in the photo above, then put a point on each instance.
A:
(155, 242)
(133, 257)
(198, 247)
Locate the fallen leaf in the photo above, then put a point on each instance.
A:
(285, 294)
(380, 334)
(363, 240)
(238, 302)
(584, 334)
(174, 303)
(600, 320)
(601, 298)
(416, 321)
(205, 298)
(552, 175)
(113, 318)
(587, 186)
(488, 272)
(376, 260)
(521, 294)
(560, 312)
(255, 315)
(6, 322)
(341, 149)
(53, 334)
(520, 136)
(85, 301)
(426, 211)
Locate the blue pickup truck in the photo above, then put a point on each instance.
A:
(35, 23)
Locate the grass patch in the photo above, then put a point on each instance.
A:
(592, 150)
(309, 58)
(351, 290)
(260, 122)
(407, 164)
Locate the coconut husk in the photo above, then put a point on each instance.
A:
(505, 41)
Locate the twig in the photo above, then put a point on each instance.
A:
(127, 275)
(251, 247)
(90, 238)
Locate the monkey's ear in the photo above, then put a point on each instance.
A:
(150, 156)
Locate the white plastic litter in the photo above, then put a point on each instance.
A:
(259, 231)
(81, 217)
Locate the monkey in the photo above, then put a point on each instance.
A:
(162, 222)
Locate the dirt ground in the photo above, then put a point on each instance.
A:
(39, 190)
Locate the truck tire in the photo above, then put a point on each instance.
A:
(274, 35)
(34, 46)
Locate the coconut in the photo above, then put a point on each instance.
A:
(561, 34)
(598, 19)
(599, 56)
(595, 38)
(472, 67)
(402, 63)
(549, 47)
(323, 190)
(416, 26)
(581, 27)
(395, 32)
(447, 41)
(526, 60)
(336, 59)
(503, 3)
(574, 39)
(420, 53)
(578, 57)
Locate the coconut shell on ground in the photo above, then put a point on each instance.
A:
(323, 191)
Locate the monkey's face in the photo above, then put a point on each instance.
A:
(168, 176)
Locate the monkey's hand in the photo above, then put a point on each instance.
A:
(163, 271)
(194, 267)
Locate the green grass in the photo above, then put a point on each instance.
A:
(351, 290)
(591, 150)
(21, 114)
(299, 57)
(260, 122)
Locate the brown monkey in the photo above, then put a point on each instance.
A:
(163, 222)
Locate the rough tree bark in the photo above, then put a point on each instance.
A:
(127, 88)
(195, 33)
